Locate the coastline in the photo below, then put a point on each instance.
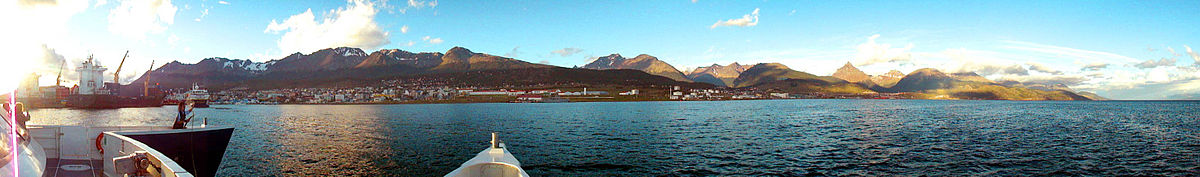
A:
(648, 100)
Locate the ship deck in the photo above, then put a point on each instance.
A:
(53, 168)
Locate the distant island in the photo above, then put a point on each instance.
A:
(352, 76)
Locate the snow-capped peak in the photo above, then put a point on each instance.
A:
(347, 51)
(246, 65)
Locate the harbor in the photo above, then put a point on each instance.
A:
(530, 88)
(763, 137)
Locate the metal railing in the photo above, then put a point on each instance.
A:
(117, 145)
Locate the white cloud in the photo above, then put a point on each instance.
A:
(1191, 86)
(984, 63)
(1172, 50)
(31, 28)
(36, 2)
(746, 20)
(513, 53)
(1048, 80)
(694, 1)
(567, 51)
(1195, 56)
(202, 15)
(404, 29)
(173, 40)
(1158, 75)
(410, 43)
(432, 40)
(223, 2)
(350, 26)
(51, 61)
(136, 18)
(1156, 63)
(1094, 66)
(1043, 68)
(872, 53)
(420, 4)
(1058, 51)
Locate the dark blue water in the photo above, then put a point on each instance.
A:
(751, 138)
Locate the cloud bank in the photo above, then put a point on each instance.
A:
(136, 18)
(351, 26)
(870, 53)
(567, 51)
(746, 20)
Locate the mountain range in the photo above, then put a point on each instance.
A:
(643, 62)
(344, 66)
(926, 83)
(775, 76)
(717, 74)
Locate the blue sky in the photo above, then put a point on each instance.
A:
(1098, 46)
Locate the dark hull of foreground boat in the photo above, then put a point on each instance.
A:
(198, 150)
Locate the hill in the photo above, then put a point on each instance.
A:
(775, 76)
(643, 62)
(460, 59)
(392, 57)
(210, 70)
(717, 74)
(1092, 96)
(970, 76)
(888, 79)
(321, 60)
(769, 72)
(558, 76)
(933, 84)
(851, 74)
(923, 79)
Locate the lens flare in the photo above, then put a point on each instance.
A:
(12, 101)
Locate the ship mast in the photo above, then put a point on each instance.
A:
(146, 84)
(117, 73)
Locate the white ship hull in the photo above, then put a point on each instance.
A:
(494, 161)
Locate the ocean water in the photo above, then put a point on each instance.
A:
(726, 138)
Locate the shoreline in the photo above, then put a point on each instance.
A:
(664, 100)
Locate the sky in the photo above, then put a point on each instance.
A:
(1118, 49)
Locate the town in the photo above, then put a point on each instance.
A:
(425, 90)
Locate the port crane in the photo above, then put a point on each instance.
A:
(58, 80)
(146, 84)
(117, 73)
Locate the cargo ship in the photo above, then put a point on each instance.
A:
(41, 97)
(93, 93)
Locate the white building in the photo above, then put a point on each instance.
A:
(91, 78)
(631, 92)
